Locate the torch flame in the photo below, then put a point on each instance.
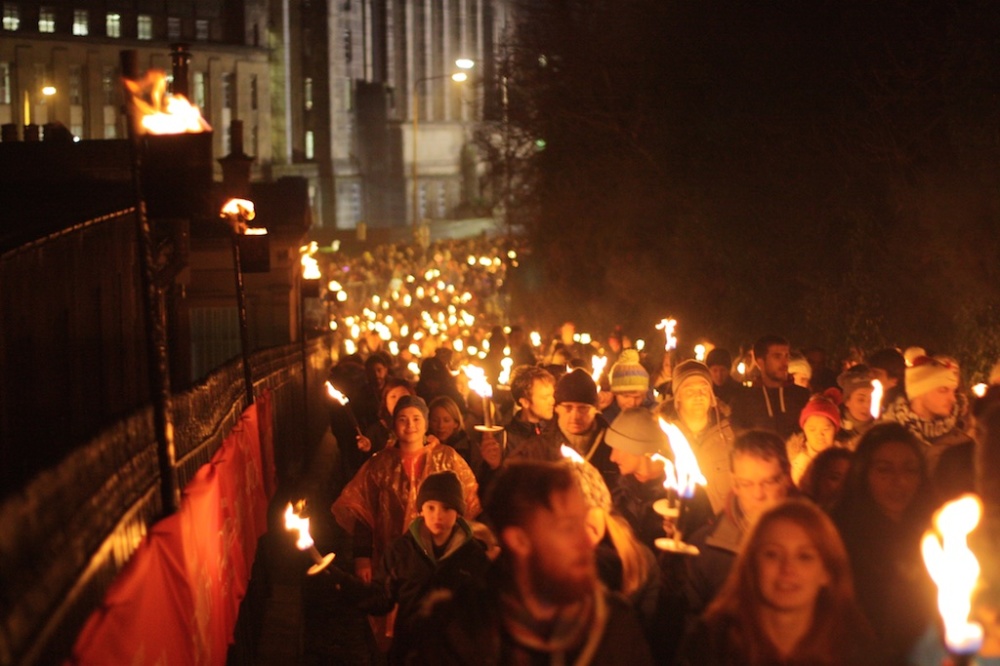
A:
(299, 524)
(670, 482)
(685, 468)
(239, 212)
(506, 363)
(876, 399)
(570, 454)
(597, 363)
(242, 207)
(955, 570)
(668, 326)
(162, 112)
(335, 394)
(310, 267)
(477, 381)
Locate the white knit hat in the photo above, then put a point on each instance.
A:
(927, 374)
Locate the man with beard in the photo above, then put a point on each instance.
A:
(542, 602)
(771, 403)
(577, 425)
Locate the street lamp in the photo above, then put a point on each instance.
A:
(463, 64)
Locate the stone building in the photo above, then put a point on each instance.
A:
(356, 66)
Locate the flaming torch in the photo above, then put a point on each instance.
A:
(955, 571)
(332, 391)
(295, 522)
(682, 474)
(161, 112)
(598, 363)
(237, 212)
(668, 326)
(876, 399)
(481, 387)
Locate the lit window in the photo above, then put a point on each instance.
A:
(110, 131)
(309, 93)
(114, 25)
(198, 89)
(11, 17)
(201, 30)
(310, 145)
(144, 26)
(46, 20)
(5, 83)
(173, 27)
(81, 22)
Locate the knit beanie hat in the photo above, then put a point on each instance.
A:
(927, 374)
(686, 371)
(595, 490)
(576, 386)
(800, 368)
(719, 356)
(637, 431)
(823, 405)
(443, 487)
(409, 401)
(912, 354)
(854, 378)
(628, 374)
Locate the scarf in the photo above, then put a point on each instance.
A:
(579, 626)
(927, 430)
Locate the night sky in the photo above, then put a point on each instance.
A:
(824, 170)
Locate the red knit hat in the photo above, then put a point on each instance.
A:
(825, 405)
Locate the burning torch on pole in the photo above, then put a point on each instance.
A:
(682, 474)
(295, 522)
(332, 391)
(237, 212)
(479, 385)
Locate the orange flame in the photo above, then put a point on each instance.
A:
(876, 407)
(478, 382)
(955, 570)
(597, 363)
(162, 112)
(335, 394)
(570, 454)
(294, 522)
(682, 474)
(668, 326)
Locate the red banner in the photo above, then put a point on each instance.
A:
(177, 600)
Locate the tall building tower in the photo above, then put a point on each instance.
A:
(401, 136)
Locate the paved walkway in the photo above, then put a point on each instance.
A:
(305, 620)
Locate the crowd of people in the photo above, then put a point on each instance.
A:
(550, 523)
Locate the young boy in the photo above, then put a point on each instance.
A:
(438, 551)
